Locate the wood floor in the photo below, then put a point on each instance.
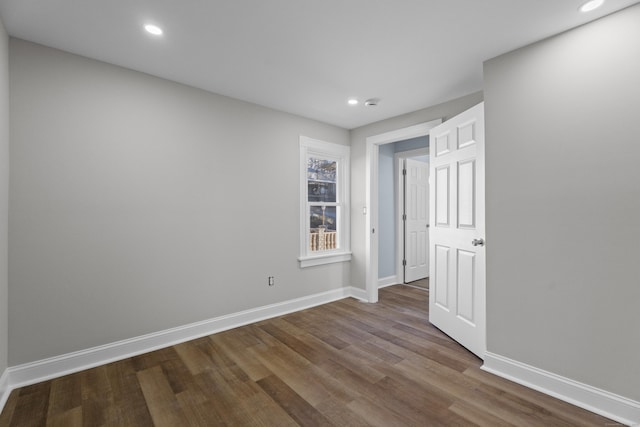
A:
(422, 283)
(347, 363)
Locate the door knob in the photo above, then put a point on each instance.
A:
(477, 242)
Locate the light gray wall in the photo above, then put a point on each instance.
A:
(4, 192)
(358, 171)
(411, 144)
(138, 204)
(386, 212)
(563, 203)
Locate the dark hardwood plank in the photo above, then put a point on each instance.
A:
(339, 414)
(65, 395)
(32, 405)
(477, 416)
(9, 408)
(236, 349)
(70, 418)
(193, 357)
(298, 373)
(294, 405)
(377, 415)
(161, 401)
(347, 363)
(130, 405)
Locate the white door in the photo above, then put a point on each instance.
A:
(416, 236)
(457, 265)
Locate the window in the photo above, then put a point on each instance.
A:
(324, 202)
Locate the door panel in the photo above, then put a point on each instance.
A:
(440, 274)
(466, 285)
(466, 194)
(467, 134)
(417, 212)
(442, 196)
(441, 143)
(457, 305)
(412, 249)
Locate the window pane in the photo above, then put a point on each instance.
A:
(323, 228)
(322, 191)
(321, 180)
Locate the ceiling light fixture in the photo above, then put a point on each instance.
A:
(153, 29)
(591, 5)
(373, 102)
(352, 101)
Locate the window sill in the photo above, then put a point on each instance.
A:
(330, 258)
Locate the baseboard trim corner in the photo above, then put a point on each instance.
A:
(601, 402)
(54, 367)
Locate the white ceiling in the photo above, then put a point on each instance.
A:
(304, 56)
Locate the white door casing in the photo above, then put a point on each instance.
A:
(457, 300)
(416, 241)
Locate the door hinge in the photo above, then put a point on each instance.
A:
(404, 217)
(404, 172)
(404, 262)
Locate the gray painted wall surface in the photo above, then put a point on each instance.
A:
(358, 172)
(411, 144)
(138, 204)
(386, 212)
(563, 231)
(4, 193)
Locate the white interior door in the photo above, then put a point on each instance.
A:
(457, 273)
(416, 236)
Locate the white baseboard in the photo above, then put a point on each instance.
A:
(5, 390)
(387, 281)
(599, 401)
(42, 370)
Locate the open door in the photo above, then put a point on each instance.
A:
(416, 226)
(457, 252)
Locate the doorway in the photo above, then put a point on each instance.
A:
(372, 197)
(403, 211)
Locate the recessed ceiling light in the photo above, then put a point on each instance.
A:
(352, 101)
(591, 5)
(153, 29)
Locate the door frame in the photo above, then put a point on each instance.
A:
(371, 194)
(399, 159)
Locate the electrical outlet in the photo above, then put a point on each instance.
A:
(272, 280)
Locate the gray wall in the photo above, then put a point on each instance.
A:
(411, 144)
(138, 204)
(386, 212)
(358, 172)
(4, 192)
(562, 231)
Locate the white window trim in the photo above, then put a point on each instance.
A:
(342, 153)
